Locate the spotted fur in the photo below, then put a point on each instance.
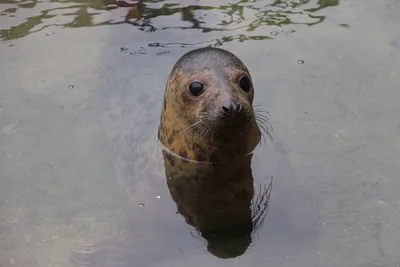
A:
(210, 140)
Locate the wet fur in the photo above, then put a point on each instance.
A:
(193, 127)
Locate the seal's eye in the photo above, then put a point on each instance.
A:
(196, 88)
(245, 83)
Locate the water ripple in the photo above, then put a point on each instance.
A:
(242, 20)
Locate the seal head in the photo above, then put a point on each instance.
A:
(207, 112)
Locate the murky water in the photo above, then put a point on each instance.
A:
(82, 84)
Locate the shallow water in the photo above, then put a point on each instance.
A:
(80, 98)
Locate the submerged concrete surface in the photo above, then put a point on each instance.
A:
(74, 101)
(53, 191)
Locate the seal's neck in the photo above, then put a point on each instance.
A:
(194, 147)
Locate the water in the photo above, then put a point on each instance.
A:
(80, 98)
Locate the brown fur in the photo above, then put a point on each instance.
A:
(220, 72)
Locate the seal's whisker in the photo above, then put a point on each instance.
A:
(204, 131)
(213, 132)
(264, 126)
(187, 128)
(260, 110)
(264, 118)
(254, 127)
(264, 123)
(261, 116)
(256, 123)
(261, 206)
(255, 106)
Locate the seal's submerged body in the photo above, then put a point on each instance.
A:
(208, 128)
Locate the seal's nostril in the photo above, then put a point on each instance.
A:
(226, 109)
(230, 107)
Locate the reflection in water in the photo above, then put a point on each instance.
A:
(216, 200)
(234, 18)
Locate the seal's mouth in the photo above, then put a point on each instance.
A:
(227, 128)
(232, 122)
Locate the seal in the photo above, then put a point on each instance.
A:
(208, 129)
(208, 117)
(207, 113)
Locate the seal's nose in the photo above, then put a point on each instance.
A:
(231, 107)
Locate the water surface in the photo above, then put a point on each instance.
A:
(79, 106)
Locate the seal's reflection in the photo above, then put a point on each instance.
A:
(216, 199)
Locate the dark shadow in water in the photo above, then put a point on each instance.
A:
(141, 14)
(216, 199)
